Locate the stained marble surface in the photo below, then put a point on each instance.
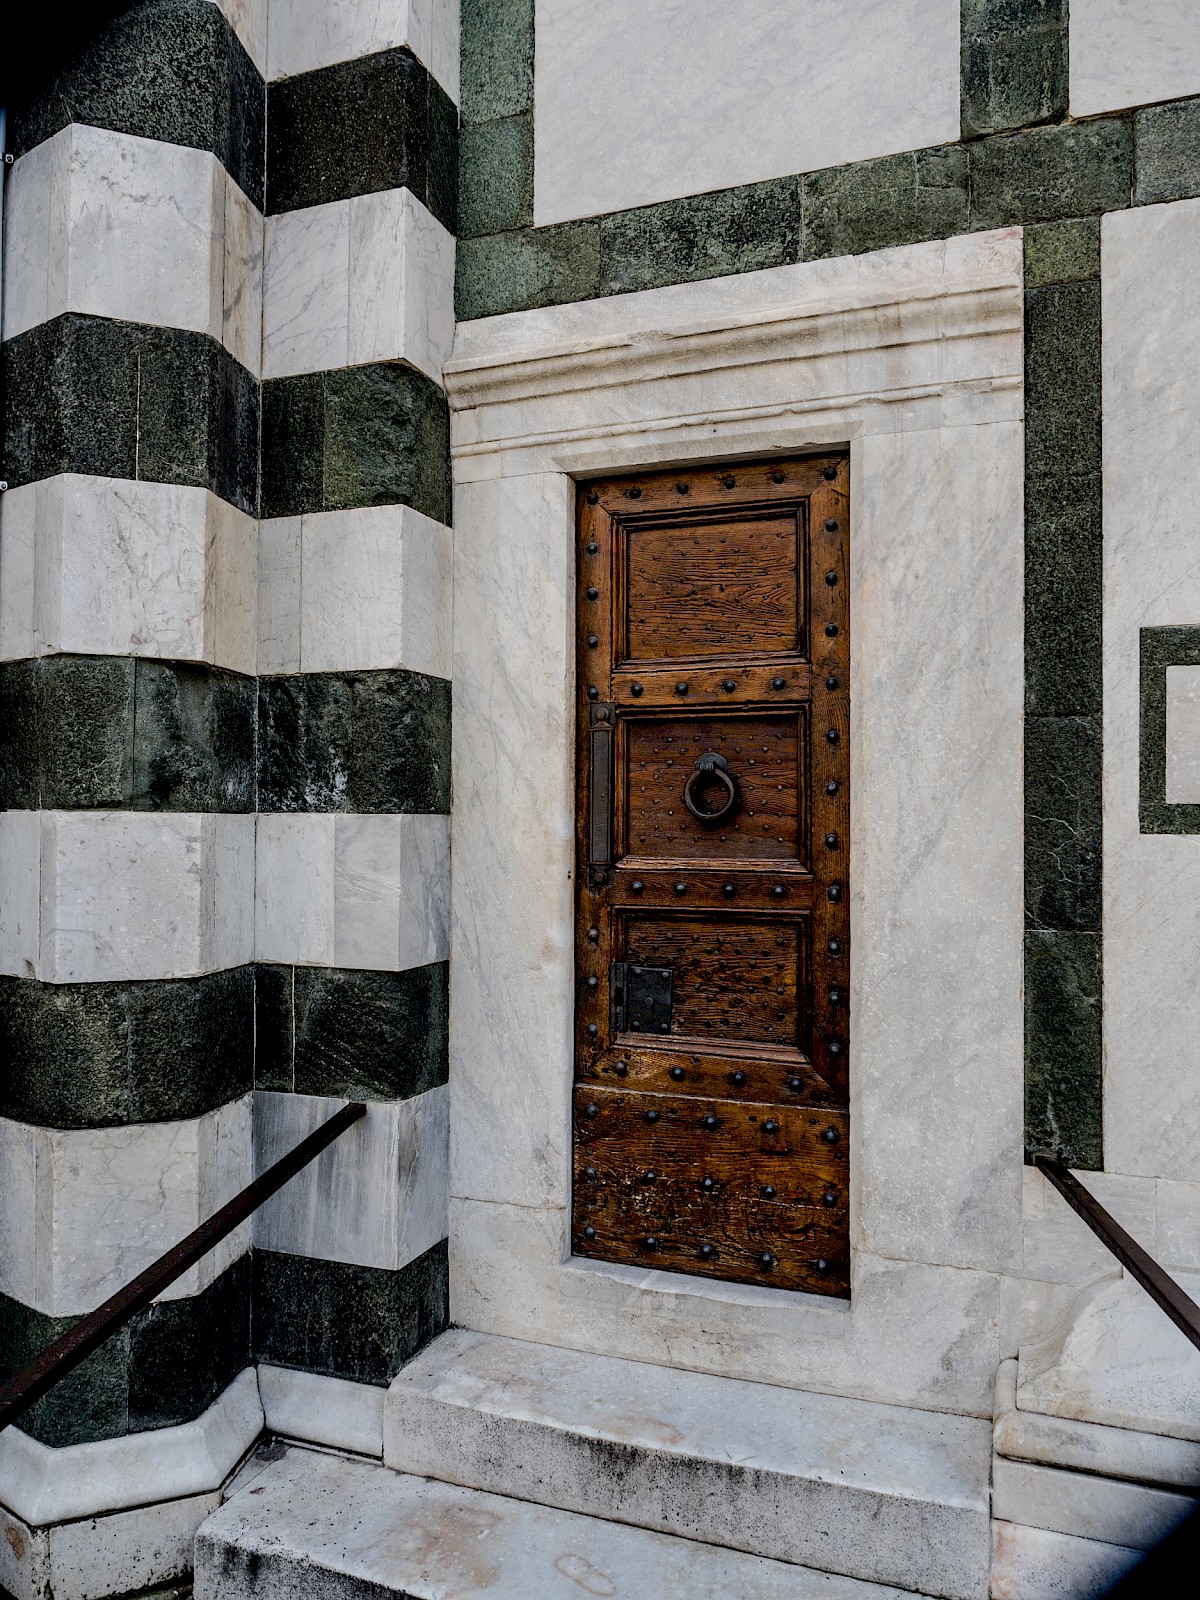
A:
(329, 1411)
(1124, 54)
(113, 225)
(109, 566)
(1183, 735)
(306, 34)
(83, 1211)
(347, 590)
(355, 281)
(643, 100)
(1151, 367)
(377, 1197)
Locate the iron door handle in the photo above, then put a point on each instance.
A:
(709, 767)
(600, 790)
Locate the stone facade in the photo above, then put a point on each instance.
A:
(313, 313)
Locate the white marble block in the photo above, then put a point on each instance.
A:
(1151, 370)
(341, 890)
(645, 100)
(1183, 735)
(109, 566)
(125, 894)
(1132, 52)
(248, 19)
(343, 591)
(82, 1211)
(355, 281)
(376, 1197)
(112, 225)
(305, 34)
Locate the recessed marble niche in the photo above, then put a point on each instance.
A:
(914, 357)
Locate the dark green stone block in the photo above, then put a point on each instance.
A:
(1063, 822)
(361, 1323)
(496, 71)
(1167, 152)
(89, 1055)
(1062, 252)
(20, 745)
(198, 416)
(704, 236)
(352, 1034)
(1063, 1054)
(522, 270)
(184, 1353)
(194, 739)
(387, 440)
(354, 741)
(1045, 174)
(293, 445)
(171, 70)
(88, 1404)
(901, 199)
(1063, 579)
(496, 176)
(358, 127)
(1013, 64)
(1062, 381)
(66, 732)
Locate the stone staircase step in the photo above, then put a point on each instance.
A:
(316, 1526)
(882, 1493)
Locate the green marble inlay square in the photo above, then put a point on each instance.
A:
(1161, 648)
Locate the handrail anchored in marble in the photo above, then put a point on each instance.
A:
(74, 1346)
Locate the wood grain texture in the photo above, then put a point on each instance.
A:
(713, 619)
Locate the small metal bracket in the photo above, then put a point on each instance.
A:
(640, 998)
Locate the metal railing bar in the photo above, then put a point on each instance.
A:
(74, 1346)
(1159, 1285)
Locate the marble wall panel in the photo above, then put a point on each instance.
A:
(248, 19)
(645, 100)
(1124, 54)
(112, 225)
(1151, 360)
(1059, 1246)
(356, 281)
(109, 566)
(354, 590)
(306, 34)
(293, 892)
(1183, 735)
(20, 892)
(83, 1211)
(377, 1197)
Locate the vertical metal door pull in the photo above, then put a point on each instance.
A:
(600, 786)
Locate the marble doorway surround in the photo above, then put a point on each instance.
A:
(912, 356)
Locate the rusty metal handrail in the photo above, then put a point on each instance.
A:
(74, 1346)
(1159, 1285)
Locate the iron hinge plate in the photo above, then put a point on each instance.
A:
(640, 998)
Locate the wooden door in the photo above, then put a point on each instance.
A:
(712, 938)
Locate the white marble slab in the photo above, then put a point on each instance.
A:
(306, 34)
(1085, 1505)
(42, 1485)
(1177, 1239)
(355, 281)
(293, 888)
(643, 100)
(1132, 52)
(248, 19)
(376, 1197)
(1183, 735)
(1058, 1246)
(112, 225)
(126, 894)
(328, 1411)
(82, 1211)
(343, 591)
(1151, 356)
(108, 566)
(1033, 1564)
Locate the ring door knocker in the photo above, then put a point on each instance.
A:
(711, 769)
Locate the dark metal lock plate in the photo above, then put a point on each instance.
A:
(640, 998)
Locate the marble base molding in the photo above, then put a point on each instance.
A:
(912, 355)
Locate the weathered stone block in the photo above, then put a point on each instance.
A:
(1014, 64)
(1075, 170)
(1063, 1057)
(496, 72)
(1167, 152)
(1062, 822)
(899, 199)
(496, 176)
(1062, 252)
(522, 270)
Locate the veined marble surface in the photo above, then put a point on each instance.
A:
(376, 1197)
(96, 895)
(1151, 354)
(1183, 735)
(340, 890)
(82, 1211)
(114, 225)
(644, 100)
(248, 19)
(110, 566)
(341, 591)
(354, 281)
(1132, 52)
(305, 34)
(328, 1411)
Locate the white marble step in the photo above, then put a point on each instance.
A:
(313, 1526)
(877, 1492)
